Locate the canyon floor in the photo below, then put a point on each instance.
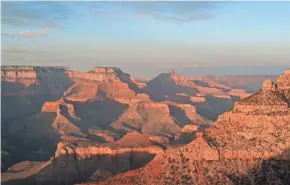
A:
(104, 126)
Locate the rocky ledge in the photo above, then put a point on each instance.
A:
(269, 99)
(284, 83)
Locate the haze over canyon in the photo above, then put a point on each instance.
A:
(61, 126)
(145, 93)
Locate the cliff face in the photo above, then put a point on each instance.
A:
(29, 75)
(97, 74)
(30, 87)
(208, 96)
(79, 118)
(284, 83)
(243, 146)
(61, 104)
(163, 118)
(131, 142)
(80, 159)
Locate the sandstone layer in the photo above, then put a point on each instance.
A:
(105, 122)
(245, 145)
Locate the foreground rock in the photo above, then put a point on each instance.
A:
(76, 161)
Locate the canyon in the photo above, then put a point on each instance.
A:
(246, 145)
(61, 126)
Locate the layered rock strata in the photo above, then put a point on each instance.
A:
(244, 145)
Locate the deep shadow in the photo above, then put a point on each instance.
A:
(273, 171)
(163, 85)
(26, 143)
(21, 104)
(213, 107)
(179, 115)
(126, 125)
(67, 170)
(101, 112)
(126, 79)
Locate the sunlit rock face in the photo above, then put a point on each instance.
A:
(105, 122)
(284, 83)
(270, 99)
(75, 161)
(245, 145)
(259, 123)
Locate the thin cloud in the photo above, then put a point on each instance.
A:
(181, 19)
(34, 33)
(163, 11)
(41, 14)
(173, 11)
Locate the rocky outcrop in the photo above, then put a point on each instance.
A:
(258, 124)
(98, 74)
(209, 97)
(50, 106)
(197, 99)
(130, 152)
(58, 107)
(238, 144)
(160, 139)
(153, 105)
(81, 92)
(224, 96)
(164, 119)
(131, 142)
(22, 73)
(25, 75)
(239, 93)
(284, 83)
(269, 100)
(190, 128)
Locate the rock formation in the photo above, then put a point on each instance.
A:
(105, 122)
(81, 158)
(207, 96)
(245, 145)
(284, 83)
(163, 118)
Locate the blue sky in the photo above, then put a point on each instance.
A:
(147, 38)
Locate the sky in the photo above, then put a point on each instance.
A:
(148, 38)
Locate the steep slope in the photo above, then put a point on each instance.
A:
(79, 118)
(30, 87)
(24, 89)
(208, 96)
(76, 161)
(45, 105)
(246, 145)
(159, 119)
(284, 83)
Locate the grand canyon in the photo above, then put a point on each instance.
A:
(145, 93)
(61, 126)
